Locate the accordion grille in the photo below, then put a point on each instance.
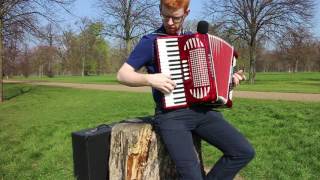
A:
(199, 68)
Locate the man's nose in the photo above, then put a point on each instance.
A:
(170, 21)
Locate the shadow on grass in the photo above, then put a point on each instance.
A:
(15, 91)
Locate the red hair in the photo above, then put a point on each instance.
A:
(175, 4)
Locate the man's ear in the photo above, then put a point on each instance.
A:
(187, 11)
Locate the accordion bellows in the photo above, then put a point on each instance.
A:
(201, 65)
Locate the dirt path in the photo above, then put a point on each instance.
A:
(241, 94)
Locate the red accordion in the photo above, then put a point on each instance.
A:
(201, 65)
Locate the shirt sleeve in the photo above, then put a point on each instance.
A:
(142, 53)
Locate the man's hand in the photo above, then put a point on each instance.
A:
(238, 76)
(161, 82)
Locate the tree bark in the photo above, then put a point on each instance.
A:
(1, 61)
(137, 153)
(252, 51)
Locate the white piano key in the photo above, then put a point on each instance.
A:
(178, 81)
(173, 66)
(178, 95)
(165, 48)
(177, 71)
(179, 87)
(176, 76)
(179, 100)
(178, 91)
(169, 58)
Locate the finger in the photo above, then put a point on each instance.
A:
(240, 71)
(172, 83)
(169, 86)
(236, 82)
(239, 76)
(165, 90)
(244, 77)
(167, 76)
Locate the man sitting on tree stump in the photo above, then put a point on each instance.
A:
(175, 127)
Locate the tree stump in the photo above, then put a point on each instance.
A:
(137, 153)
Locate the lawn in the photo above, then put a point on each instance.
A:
(103, 79)
(36, 122)
(306, 82)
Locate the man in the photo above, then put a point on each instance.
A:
(176, 126)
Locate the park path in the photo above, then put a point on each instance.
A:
(241, 94)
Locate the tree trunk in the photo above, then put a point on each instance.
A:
(128, 49)
(1, 62)
(296, 66)
(136, 153)
(252, 72)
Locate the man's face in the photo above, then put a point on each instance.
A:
(173, 19)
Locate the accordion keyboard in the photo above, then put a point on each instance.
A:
(171, 65)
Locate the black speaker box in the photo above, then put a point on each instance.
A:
(91, 149)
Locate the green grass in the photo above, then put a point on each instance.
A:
(284, 82)
(275, 82)
(36, 126)
(103, 79)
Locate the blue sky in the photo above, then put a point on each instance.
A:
(84, 8)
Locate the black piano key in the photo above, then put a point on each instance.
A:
(177, 98)
(176, 74)
(170, 51)
(173, 55)
(172, 41)
(178, 102)
(169, 45)
(176, 78)
(174, 60)
(172, 69)
(178, 92)
(178, 88)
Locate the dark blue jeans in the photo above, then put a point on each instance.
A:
(176, 128)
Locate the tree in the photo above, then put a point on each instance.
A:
(129, 19)
(49, 36)
(70, 53)
(295, 45)
(24, 14)
(93, 47)
(254, 20)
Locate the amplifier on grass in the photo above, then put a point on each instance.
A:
(91, 153)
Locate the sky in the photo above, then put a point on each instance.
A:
(86, 8)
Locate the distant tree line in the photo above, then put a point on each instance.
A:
(70, 53)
